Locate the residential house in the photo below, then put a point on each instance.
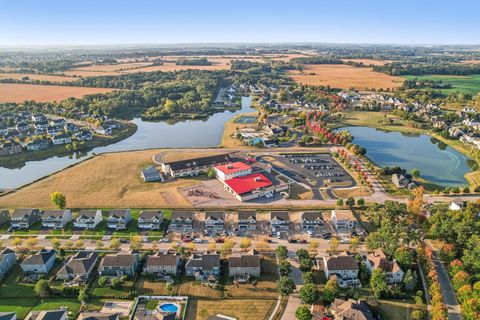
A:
(247, 220)
(22, 126)
(119, 264)
(60, 122)
(24, 218)
(56, 219)
(106, 131)
(163, 264)
(98, 316)
(36, 145)
(151, 174)
(378, 260)
(242, 267)
(280, 221)
(7, 260)
(403, 181)
(84, 135)
(457, 204)
(41, 262)
(70, 127)
(343, 220)
(311, 220)
(350, 310)
(61, 139)
(150, 219)
(10, 147)
(79, 267)
(344, 267)
(41, 126)
(4, 216)
(201, 266)
(61, 314)
(8, 316)
(214, 221)
(182, 221)
(88, 219)
(118, 219)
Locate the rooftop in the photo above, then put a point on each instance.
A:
(248, 183)
(230, 168)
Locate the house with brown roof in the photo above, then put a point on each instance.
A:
(118, 219)
(182, 221)
(344, 267)
(201, 266)
(162, 264)
(247, 220)
(311, 220)
(24, 218)
(343, 220)
(244, 266)
(56, 219)
(79, 267)
(119, 264)
(214, 221)
(350, 310)
(378, 260)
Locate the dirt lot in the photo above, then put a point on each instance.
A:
(345, 77)
(240, 309)
(110, 180)
(41, 77)
(13, 92)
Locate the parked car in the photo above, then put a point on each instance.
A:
(219, 240)
(303, 241)
(197, 240)
(292, 240)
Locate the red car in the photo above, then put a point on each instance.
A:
(303, 241)
(186, 240)
(219, 240)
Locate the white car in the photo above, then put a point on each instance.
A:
(197, 240)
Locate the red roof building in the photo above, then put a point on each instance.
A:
(249, 187)
(232, 170)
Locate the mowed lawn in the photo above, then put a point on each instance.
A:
(464, 84)
(345, 77)
(199, 309)
(105, 181)
(15, 92)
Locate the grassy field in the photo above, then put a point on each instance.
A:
(345, 77)
(368, 62)
(14, 92)
(105, 181)
(230, 127)
(464, 84)
(200, 309)
(41, 77)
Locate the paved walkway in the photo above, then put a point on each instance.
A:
(293, 303)
(448, 293)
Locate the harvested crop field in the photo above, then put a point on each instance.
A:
(345, 77)
(106, 181)
(14, 92)
(368, 62)
(40, 77)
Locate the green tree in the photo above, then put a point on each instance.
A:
(418, 315)
(116, 283)
(303, 313)
(404, 257)
(211, 173)
(102, 281)
(285, 285)
(340, 202)
(350, 202)
(361, 202)
(308, 277)
(410, 280)
(82, 296)
(378, 283)
(58, 199)
(415, 173)
(42, 288)
(330, 292)
(281, 252)
(284, 267)
(309, 293)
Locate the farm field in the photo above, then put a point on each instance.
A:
(367, 62)
(345, 77)
(40, 77)
(14, 92)
(465, 84)
(106, 181)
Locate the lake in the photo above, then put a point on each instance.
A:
(187, 134)
(437, 162)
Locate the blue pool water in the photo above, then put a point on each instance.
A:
(169, 307)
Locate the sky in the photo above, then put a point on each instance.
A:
(100, 22)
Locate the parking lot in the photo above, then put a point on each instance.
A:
(315, 169)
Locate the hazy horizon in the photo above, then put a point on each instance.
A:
(54, 23)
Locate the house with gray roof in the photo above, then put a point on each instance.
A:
(280, 221)
(118, 219)
(244, 266)
(24, 218)
(163, 264)
(56, 219)
(150, 219)
(151, 174)
(214, 221)
(40, 262)
(79, 267)
(98, 316)
(311, 220)
(88, 219)
(201, 266)
(344, 267)
(7, 261)
(48, 315)
(8, 316)
(4, 216)
(182, 221)
(247, 220)
(119, 264)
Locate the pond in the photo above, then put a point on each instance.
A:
(437, 162)
(187, 134)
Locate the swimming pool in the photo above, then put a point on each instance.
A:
(168, 307)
